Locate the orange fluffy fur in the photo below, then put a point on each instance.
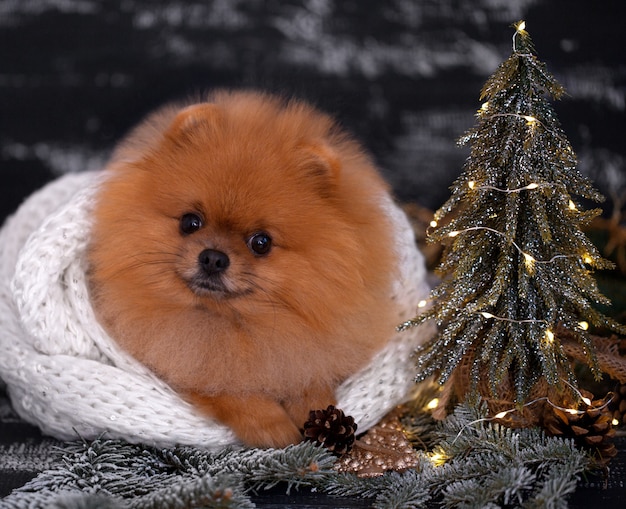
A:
(261, 342)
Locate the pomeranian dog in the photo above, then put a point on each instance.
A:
(241, 250)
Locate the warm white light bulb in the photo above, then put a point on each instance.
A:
(521, 26)
(534, 185)
(500, 415)
(433, 224)
(583, 325)
(529, 120)
(433, 403)
(471, 184)
(437, 459)
(453, 234)
(422, 303)
(529, 261)
(549, 336)
(486, 315)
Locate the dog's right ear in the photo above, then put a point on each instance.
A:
(193, 117)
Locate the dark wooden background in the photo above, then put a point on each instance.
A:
(403, 75)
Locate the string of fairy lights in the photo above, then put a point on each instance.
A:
(520, 28)
(438, 457)
(530, 261)
(549, 335)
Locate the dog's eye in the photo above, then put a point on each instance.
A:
(190, 223)
(260, 243)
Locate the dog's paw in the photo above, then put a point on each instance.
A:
(257, 421)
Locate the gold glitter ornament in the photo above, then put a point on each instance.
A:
(383, 448)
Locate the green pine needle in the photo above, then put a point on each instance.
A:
(484, 465)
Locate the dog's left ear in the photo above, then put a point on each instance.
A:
(322, 161)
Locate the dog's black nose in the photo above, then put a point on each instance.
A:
(212, 261)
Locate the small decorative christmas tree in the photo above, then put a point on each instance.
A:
(517, 268)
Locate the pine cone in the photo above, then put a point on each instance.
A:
(590, 428)
(330, 428)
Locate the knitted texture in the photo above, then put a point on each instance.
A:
(66, 375)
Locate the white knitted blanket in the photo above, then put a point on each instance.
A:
(64, 374)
